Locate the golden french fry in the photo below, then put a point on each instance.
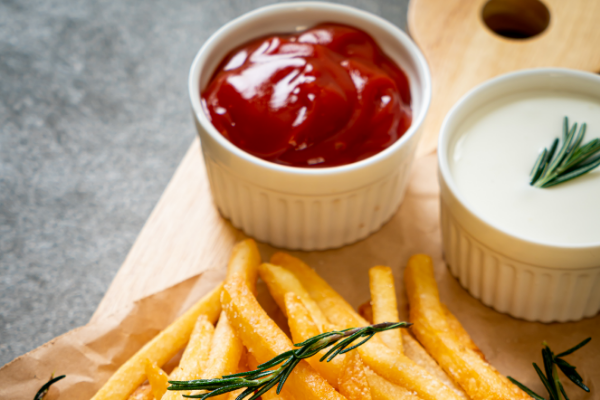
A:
(353, 382)
(385, 309)
(402, 371)
(416, 352)
(160, 349)
(383, 302)
(479, 379)
(225, 353)
(280, 281)
(194, 358)
(391, 365)
(463, 336)
(143, 392)
(195, 355)
(303, 328)
(382, 389)
(226, 348)
(413, 350)
(272, 393)
(263, 338)
(242, 367)
(326, 298)
(158, 379)
(244, 260)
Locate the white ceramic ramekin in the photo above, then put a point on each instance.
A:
(301, 208)
(531, 280)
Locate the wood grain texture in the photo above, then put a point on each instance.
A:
(462, 51)
(184, 236)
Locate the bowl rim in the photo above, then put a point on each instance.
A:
(403, 39)
(446, 134)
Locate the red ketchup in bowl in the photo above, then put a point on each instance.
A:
(324, 97)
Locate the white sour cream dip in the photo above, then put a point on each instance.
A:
(491, 158)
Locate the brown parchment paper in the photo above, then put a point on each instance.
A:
(89, 355)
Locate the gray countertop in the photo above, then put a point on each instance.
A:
(94, 119)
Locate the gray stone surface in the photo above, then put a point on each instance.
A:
(94, 119)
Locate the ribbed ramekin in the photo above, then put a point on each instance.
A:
(303, 208)
(535, 281)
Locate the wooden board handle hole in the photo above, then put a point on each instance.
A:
(516, 19)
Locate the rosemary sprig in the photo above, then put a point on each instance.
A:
(263, 378)
(571, 160)
(551, 380)
(44, 389)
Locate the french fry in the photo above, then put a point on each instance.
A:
(160, 349)
(194, 358)
(416, 352)
(244, 260)
(143, 392)
(226, 350)
(402, 371)
(463, 336)
(353, 382)
(158, 379)
(225, 347)
(479, 379)
(394, 367)
(385, 308)
(225, 353)
(195, 355)
(303, 328)
(280, 281)
(242, 367)
(329, 301)
(382, 389)
(263, 338)
(413, 350)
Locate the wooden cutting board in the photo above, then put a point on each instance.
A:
(463, 52)
(185, 235)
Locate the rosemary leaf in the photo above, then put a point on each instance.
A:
(573, 174)
(562, 389)
(44, 389)
(538, 167)
(584, 153)
(548, 361)
(526, 389)
(570, 161)
(571, 373)
(578, 138)
(562, 153)
(551, 380)
(549, 156)
(556, 382)
(546, 383)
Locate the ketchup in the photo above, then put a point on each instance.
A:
(323, 97)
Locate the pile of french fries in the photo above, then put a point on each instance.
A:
(228, 332)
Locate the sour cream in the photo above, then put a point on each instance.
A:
(491, 158)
